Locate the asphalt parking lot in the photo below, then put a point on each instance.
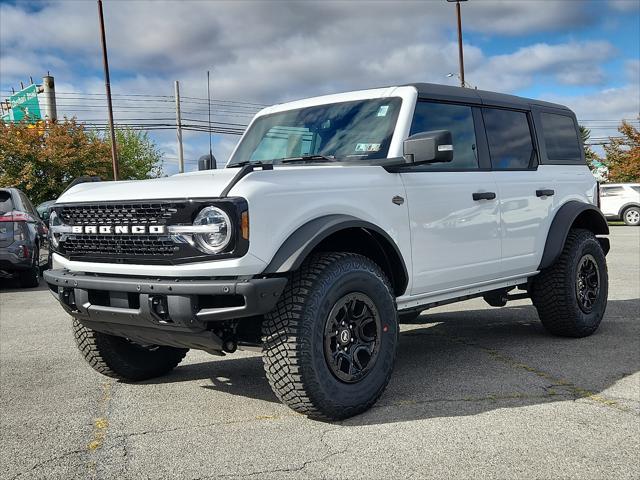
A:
(477, 392)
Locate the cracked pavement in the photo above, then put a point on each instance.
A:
(477, 392)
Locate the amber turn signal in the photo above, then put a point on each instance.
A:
(244, 225)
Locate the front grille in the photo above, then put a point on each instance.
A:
(120, 245)
(119, 213)
(146, 247)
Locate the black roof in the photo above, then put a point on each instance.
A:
(435, 91)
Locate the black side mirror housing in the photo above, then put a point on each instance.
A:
(429, 147)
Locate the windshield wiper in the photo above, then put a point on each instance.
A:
(309, 158)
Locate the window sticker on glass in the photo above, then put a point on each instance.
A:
(382, 111)
(367, 147)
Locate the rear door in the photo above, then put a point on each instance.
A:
(455, 238)
(525, 191)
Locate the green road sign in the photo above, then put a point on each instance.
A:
(24, 106)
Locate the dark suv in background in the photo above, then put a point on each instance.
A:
(22, 237)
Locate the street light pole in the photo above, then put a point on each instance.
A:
(107, 84)
(460, 54)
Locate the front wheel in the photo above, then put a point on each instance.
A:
(120, 358)
(631, 216)
(571, 295)
(330, 342)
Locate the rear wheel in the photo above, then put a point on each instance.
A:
(330, 343)
(571, 295)
(31, 278)
(120, 358)
(631, 216)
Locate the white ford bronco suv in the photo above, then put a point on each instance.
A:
(336, 219)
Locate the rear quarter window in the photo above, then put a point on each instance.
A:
(612, 191)
(6, 204)
(560, 138)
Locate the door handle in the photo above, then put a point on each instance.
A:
(484, 196)
(544, 193)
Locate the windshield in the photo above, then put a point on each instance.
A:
(354, 130)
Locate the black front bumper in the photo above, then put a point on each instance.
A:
(162, 311)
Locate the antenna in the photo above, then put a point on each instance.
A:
(209, 104)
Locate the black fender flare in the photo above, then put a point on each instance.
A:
(580, 214)
(302, 241)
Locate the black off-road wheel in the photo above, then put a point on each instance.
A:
(330, 343)
(571, 295)
(31, 278)
(120, 358)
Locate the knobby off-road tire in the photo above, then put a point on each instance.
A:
(571, 295)
(305, 328)
(119, 358)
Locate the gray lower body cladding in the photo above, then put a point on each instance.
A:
(175, 312)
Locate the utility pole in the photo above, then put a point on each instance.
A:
(179, 130)
(49, 97)
(107, 84)
(460, 54)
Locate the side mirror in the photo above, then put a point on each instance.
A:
(429, 147)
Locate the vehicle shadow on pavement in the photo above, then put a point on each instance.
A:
(13, 285)
(235, 376)
(469, 362)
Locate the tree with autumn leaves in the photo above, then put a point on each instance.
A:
(623, 155)
(42, 159)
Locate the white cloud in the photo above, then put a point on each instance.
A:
(274, 51)
(625, 5)
(572, 63)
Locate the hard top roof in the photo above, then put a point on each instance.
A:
(482, 97)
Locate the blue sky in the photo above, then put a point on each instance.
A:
(584, 54)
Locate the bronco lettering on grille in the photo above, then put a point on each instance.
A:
(118, 229)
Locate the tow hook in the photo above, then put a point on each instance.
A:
(159, 308)
(230, 346)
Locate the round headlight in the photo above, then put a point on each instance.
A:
(53, 222)
(218, 234)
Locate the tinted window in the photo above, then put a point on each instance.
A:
(458, 119)
(6, 205)
(509, 138)
(26, 204)
(636, 188)
(560, 137)
(612, 191)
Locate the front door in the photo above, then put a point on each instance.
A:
(453, 207)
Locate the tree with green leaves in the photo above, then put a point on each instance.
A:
(593, 160)
(42, 159)
(138, 156)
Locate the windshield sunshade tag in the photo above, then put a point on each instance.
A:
(367, 147)
(382, 111)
